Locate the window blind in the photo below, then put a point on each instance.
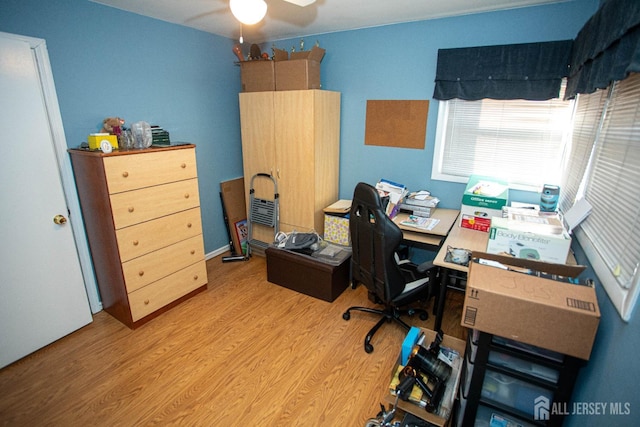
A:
(611, 234)
(517, 140)
(586, 124)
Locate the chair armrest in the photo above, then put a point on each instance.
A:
(425, 266)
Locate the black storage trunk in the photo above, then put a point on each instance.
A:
(307, 275)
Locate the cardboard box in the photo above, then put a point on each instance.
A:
(233, 198)
(95, 139)
(300, 72)
(336, 229)
(544, 241)
(454, 380)
(257, 76)
(540, 311)
(476, 219)
(483, 198)
(336, 223)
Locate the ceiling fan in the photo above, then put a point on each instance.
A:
(251, 12)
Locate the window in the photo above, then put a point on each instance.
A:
(520, 141)
(604, 167)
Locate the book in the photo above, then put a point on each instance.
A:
(420, 222)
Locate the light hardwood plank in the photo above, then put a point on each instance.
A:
(245, 352)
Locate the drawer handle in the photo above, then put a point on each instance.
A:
(135, 243)
(193, 251)
(146, 302)
(188, 225)
(186, 196)
(195, 277)
(183, 166)
(141, 273)
(125, 174)
(131, 209)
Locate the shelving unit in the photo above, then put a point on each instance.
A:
(506, 380)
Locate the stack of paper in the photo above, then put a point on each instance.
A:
(394, 193)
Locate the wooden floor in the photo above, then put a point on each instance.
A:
(245, 352)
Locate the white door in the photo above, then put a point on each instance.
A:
(42, 292)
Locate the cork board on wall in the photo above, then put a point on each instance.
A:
(401, 124)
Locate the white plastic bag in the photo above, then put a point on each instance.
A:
(142, 137)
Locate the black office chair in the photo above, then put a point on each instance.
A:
(394, 283)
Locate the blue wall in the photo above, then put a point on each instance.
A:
(108, 62)
(399, 62)
(611, 375)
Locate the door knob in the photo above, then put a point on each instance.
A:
(59, 219)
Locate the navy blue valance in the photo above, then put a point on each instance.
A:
(607, 47)
(531, 71)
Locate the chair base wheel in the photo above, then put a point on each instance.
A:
(368, 348)
(346, 315)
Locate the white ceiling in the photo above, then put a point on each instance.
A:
(286, 20)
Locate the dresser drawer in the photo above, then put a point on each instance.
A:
(154, 266)
(150, 298)
(129, 172)
(133, 207)
(150, 236)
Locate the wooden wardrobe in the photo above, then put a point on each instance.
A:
(295, 137)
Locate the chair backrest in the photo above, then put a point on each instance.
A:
(374, 241)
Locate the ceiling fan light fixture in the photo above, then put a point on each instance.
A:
(248, 12)
(301, 3)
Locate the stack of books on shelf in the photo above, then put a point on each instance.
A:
(392, 195)
(419, 203)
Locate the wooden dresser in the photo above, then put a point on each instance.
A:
(141, 210)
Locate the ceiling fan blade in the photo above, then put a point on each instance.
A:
(301, 3)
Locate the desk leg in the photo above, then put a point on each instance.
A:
(444, 278)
